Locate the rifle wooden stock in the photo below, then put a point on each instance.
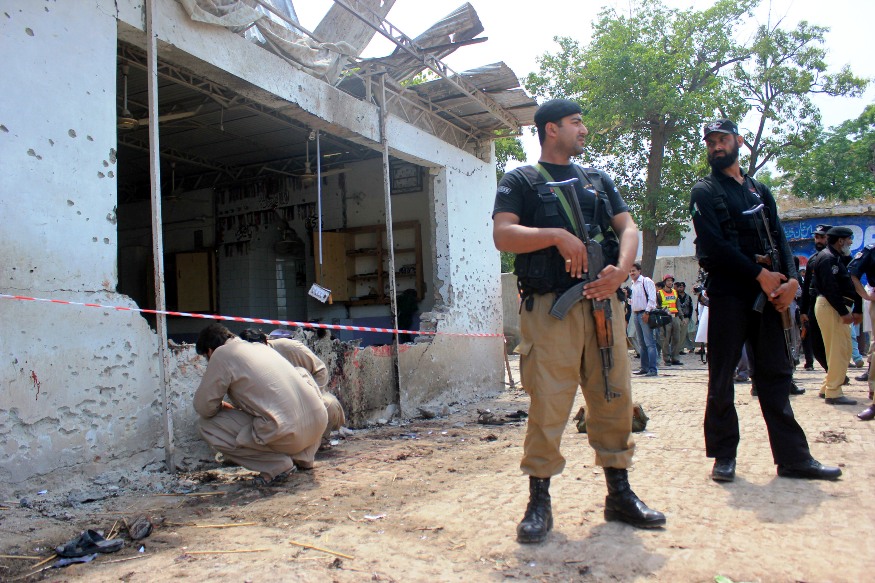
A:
(604, 330)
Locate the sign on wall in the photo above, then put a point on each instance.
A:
(799, 232)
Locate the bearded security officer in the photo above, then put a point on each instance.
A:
(558, 355)
(836, 301)
(863, 264)
(728, 242)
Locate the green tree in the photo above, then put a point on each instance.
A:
(839, 167)
(507, 149)
(786, 68)
(645, 82)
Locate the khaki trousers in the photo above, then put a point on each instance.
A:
(673, 337)
(871, 347)
(557, 356)
(837, 341)
(230, 432)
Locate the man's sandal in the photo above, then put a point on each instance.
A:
(87, 543)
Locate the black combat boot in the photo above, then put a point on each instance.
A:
(538, 520)
(622, 504)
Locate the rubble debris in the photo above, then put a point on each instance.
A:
(140, 528)
(830, 436)
(487, 417)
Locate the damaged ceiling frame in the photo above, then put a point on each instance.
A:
(405, 43)
(399, 101)
(462, 132)
(228, 99)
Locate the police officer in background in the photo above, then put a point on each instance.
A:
(813, 338)
(836, 299)
(556, 356)
(728, 242)
(863, 264)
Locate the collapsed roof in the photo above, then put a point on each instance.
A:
(482, 103)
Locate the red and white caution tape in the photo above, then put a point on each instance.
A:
(247, 320)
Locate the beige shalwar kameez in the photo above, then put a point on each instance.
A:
(278, 417)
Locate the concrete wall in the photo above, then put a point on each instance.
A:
(510, 307)
(81, 385)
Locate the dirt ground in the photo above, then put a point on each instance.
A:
(439, 500)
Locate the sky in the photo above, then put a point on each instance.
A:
(518, 37)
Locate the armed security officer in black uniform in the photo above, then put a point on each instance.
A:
(813, 338)
(836, 299)
(728, 242)
(557, 356)
(863, 264)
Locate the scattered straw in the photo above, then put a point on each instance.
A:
(306, 546)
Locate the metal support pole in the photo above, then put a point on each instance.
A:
(157, 230)
(390, 240)
(319, 199)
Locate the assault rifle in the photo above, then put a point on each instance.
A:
(601, 309)
(772, 261)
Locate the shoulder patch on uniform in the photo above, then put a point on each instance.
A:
(835, 269)
(858, 255)
(504, 189)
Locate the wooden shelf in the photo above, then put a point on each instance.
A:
(351, 257)
(374, 252)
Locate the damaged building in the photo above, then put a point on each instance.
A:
(242, 158)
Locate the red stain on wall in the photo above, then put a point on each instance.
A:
(36, 383)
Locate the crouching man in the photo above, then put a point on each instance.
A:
(273, 419)
(310, 366)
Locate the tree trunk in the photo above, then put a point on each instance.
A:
(648, 252)
(652, 191)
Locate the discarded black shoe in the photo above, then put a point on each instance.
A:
(809, 470)
(723, 470)
(87, 543)
(621, 503)
(538, 519)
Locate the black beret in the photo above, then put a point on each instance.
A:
(677, 283)
(724, 126)
(821, 229)
(554, 110)
(840, 232)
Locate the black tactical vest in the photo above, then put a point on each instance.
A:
(543, 271)
(741, 231)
